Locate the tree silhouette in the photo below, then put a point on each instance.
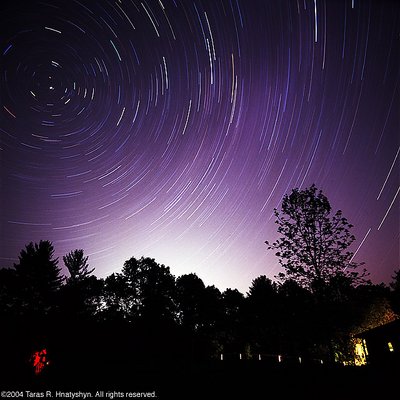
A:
(313, 247)
(262, 314)
(81, 294)
(142, 319)
(117, 298)
(395, 292)
(211, 309)
(211, 317)
(296, 321)
(39, 278)
(262, 290)
(77, 265)
(190, 291)
(233, 321)
(150, 289)
(233, 302)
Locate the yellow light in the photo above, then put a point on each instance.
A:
(365, 347)
(390, 346)
(360, 353)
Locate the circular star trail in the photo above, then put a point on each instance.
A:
(173, 128)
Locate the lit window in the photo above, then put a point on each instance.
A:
(360, 353)
(390, 346)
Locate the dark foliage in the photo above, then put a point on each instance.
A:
(146, 320)
(77, 265)
(395, 293)
(37, 280)
(313, 246)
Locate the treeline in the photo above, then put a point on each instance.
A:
(144, 312)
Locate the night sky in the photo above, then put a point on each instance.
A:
(173, 128)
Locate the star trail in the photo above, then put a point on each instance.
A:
(173, 128)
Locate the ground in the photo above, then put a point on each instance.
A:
(245, 380)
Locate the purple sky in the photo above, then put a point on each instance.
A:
(172, 128)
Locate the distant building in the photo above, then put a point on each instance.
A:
(380, 345)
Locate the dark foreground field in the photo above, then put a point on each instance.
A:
(206, 380)
(118, 362)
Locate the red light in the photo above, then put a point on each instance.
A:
(39, 360)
